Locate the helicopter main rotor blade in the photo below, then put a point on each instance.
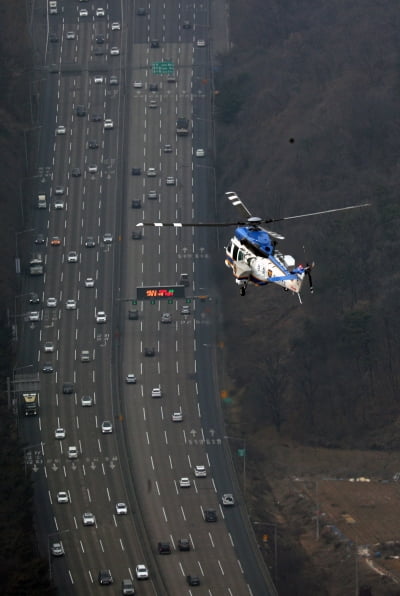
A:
(238, 203)
(317, 213)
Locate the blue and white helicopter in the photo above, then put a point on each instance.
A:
(252, 253)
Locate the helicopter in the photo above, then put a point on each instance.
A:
(252, 252)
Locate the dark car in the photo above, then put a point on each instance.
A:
(93, 145)
(193, 580)
(136, 234)
(186, 25)
(90, 242)
(99, 52)
(210, 515)
(47, 367)
(141, 12)
(97, 118)
(68, 388)
(153, 87)
(40, 239)
(136, 203)
(99, 39)
(154, 43)
(149, 352)
(184, 544)
(34, 298)
(164, 548)
(133, 314)
(53, 38)
(105, 577)
(76, 172)
(80, 111)
(136, 171)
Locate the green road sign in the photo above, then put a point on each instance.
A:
(165, 67)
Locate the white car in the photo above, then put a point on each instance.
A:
(184, 482)
(57, 549)
(142, 572)
(177, 417)
(201, 43)
(108, 123)
(137, 84)
(98, 79)
(200, 471)
(200, 153)
(227, 500)
(72, 452)
(51, 302)
(130, 379)
(114, 51)
(170, 181)
(58, 204)
(60, 190)
(92, 169)
(70, 35)
(88, 519)
(151, 172)
(86, 401)
(115, 26)
(70, 304)
(83, 12)
(107, 238)
(34, 315)
(59, 433)
(62, 497)
(61, 130)
(89, 282)
(72, 256)
(101, 317)
(100, 12)
(106, 427)
(121, 509)
(48, 346)
(156, 392)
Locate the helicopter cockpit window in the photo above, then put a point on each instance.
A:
(240, 256)
(235, 252)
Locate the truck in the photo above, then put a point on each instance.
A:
(42, 201)
(30, 403)
(36, 264)
(53, 8)
(182, 127)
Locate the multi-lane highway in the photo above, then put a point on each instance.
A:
(103, 70)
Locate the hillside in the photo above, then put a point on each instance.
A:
(307, 120)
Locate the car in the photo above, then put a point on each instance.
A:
(136, 204)
(57, 549)
(92, 169)
(200, 471)
(114, 51)
(130, 379)
(58, 204)
(154, 43)
(86, 401)
(210, 515)
(59, 190)
(106, 427)
(93, 145)
(200, 153)
(67, 388)
(34, 298)
(61, 130)
(72, 452)
(166, 317)
(99, 52)
(141, 12)
(136, 234)
(152, 195)
(137, 84)
(83, 12)
(47, 368)
(149, 352)
(153, 87)
(115, 26)
(184, 279)
(89, 282)
(100, 39)
(59, 433)
(153, 103)
(142, 572)
(184, 482)
(193, 580)
(127, 587)
(62, 497)
(80, 111)
(90, 242)
(107, 238)
(98, 79)
(136, 171)
(70, 35)
(186, 25)
(55, 241)
(156, 392)
(170, 181)
(113, 80)
(177, 417)
(72, 256)
(171, 78)
(101, 317)
(121, 509)
(88, 519)
(48, 346)
(40, 239)
(184, 544)
(108, 123)
(100, 12)
(133, 314)
(200, 43)
(151, 172)
(227, 500)
(164, 548)
(96, 117)
(105, 578)
(76, 172)
(34, 316)
(85, 356)
(167, 148)
(185, 309)
(51, 302)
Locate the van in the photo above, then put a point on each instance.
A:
(42, 202)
